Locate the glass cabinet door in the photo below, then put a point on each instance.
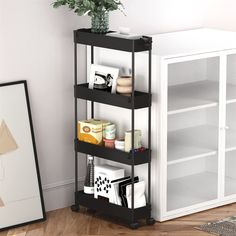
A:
(230, 155)
(193, 128)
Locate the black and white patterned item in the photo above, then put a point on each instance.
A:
(104, 174)
(103, 184)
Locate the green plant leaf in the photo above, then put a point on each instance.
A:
(81, 7)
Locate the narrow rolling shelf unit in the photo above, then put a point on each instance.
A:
(137, 100)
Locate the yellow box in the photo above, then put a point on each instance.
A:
(91, 131)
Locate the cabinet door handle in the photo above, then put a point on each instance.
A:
(224, 128)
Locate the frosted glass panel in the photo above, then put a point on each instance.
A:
(193, 84)
(192, 135)
(230, 173)
(231, 78)
(185, 183)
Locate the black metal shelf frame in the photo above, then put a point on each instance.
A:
(137, 100)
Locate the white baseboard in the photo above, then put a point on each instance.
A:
(61, 194)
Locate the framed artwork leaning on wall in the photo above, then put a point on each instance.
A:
(21, 198)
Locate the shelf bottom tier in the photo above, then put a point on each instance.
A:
(109, 209)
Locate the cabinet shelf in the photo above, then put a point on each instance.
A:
(85, 36)
(110, 209)
(112, 154)
(192, 96)
(188, 190)
(197, 95)
(192, 143)
(141, 99)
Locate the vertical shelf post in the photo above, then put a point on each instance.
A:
(149, 124)
(92, 62)
(76, 206)
(75, 83)
(132, 127)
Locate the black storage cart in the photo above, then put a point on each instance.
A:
(137, 100)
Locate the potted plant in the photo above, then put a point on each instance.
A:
(97, 9)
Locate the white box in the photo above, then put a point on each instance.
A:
(103, 175)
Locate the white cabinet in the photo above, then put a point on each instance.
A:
(197, 121)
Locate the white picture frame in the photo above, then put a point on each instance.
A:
(21, 196)
(106, 73)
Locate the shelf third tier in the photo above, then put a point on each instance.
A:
(113, 154)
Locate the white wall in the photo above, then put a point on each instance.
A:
(36, 45)
(155, 16)
(222, 14)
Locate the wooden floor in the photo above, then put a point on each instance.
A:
(65, 222)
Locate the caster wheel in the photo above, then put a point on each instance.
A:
(134, 225)
(150, 221)
(75, 208)
(91, 211)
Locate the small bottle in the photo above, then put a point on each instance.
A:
(89, 180)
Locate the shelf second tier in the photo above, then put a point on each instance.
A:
(141, 99)
(112, 154)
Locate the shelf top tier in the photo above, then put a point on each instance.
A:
(85, 36)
